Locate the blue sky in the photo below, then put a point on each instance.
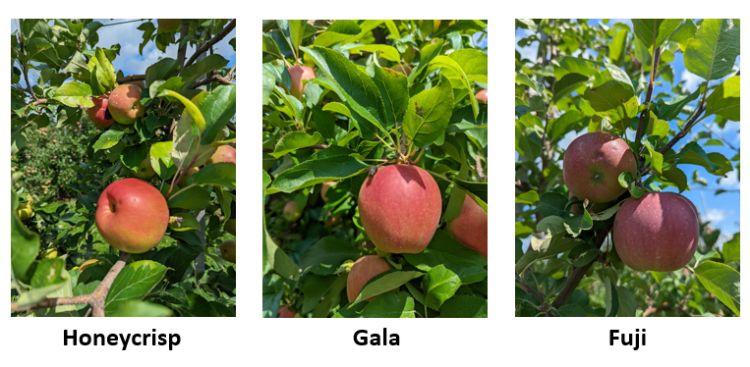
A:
(722, 211)
(130, 61)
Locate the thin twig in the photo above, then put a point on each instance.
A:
(95, 299)
(213, 78)
(131, 78)
(224, 32)
(645, 114)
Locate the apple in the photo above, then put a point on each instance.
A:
(470, 226)
(167, 25)
(125, 103)
(291, 211)
(231, 226)
(132, 215)
(592, 164)
(224, 154)
(400, 207)
(363, 270)
(299, 75)
(481, 96)
(286, 312)
(99, 114)
(658, 232)
(144, 169)
(229, 250)
(324, 189)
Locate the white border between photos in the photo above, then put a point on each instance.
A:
(249, 339)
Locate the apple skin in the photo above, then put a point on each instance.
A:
(481, 96)
(132, 215)
(224, 154)
(285, 312)
(400, 208)
(592, 164)
(300, 74)
(125, 103)
(291, 211)
(229, 250)
(470, 226)
(99, 114)
(363, 270)
(658, 232)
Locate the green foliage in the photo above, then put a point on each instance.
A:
(61, 163)
(597, 76)
(384, 92)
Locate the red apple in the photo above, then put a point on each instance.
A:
(592, 164)
(99, 114)
(286, 312)
(125, 103)
(363, 270)
(470, 226)
(229, 250)
(658, 232)
(224, 154)
(132, 215)
(400, 208)
(482, 96)
(300, 74)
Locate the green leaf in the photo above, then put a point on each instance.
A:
(557, 245)
(108, 139)
(161, 70)
(528, 197)
(725, 100)
(191, 197)
(334, 163)
(712, 52)
(24, 245)
(609, 95)
(714, 163)
(385, 283)
(218, 109)
(203, 67)
(160, 155)
(394, 304)
(136, 308)
(574, 225)
(275, 258)
(444, 250)
(568, 84)
(440, 285)
(327, 254)
(722, 281)
(464, 306)
(473, 62)
(385, 52)
(135, 281)
(48, 272)
(452, 71)
(428, 114)
(654, 32)
(353, 86)
(295, 140)
(219, 174)
(102, 71)
(395, 92)
(73, 94)
(670, 110)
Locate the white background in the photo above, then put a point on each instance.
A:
(249, 339)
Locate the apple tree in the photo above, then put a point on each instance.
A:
(375, 168)
(621, 128)
(160, 139)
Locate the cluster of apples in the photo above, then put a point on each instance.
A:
(657, 232)
(122, 104)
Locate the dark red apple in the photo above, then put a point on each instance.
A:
(132, 215)
(125, 103)
(592, 164)
(286, 312)
(299, 75)
(470, 226)
(363, 270)
(658, 232)
(99, 114)
(400, 207)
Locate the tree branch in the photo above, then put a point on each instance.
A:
(183, 43)
(692, 121)
(645, 114)
(213, 78)
(577, 275)
(224, 32)
(95, 299)
(131, 78)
